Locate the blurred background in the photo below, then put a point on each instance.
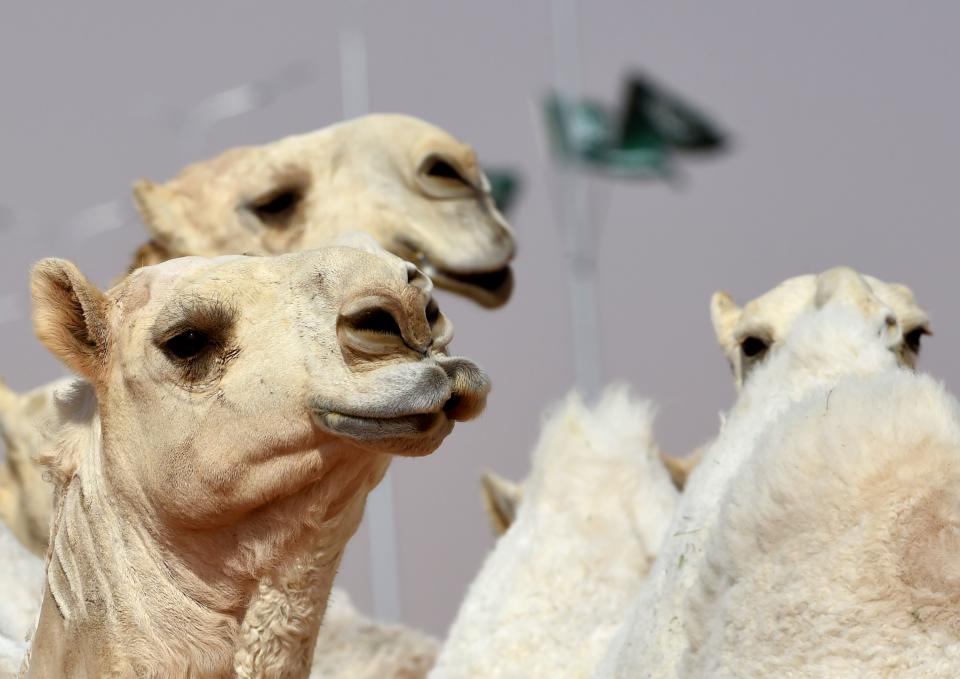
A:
(844, 120)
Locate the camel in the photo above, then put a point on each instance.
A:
(864, 581)
(748, 336)
(533, 610)
(847, 334)
(27, 426)
(244, 408)
(413, 187)
(547, 601)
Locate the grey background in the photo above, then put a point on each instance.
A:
(846, 122)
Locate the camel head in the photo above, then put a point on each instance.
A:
(223, 383)
(749, 335)
(416, 189)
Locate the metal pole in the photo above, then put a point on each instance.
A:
(574, 214)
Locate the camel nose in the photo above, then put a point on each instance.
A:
(388, 322)
(843, 285)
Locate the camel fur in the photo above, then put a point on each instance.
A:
(27, 426)
(763, 323)
(547, 601)
(244, 408)
(846, 331)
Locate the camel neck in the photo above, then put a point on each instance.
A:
(112, 605)
(128, 595)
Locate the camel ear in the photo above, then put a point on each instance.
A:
(161, 211)
(724, 313)
(680, 468)
(501, 498)
(69, 316)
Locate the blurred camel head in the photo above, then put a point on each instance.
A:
(416, 189)
(750, 334)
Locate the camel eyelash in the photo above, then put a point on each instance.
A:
(198, 341)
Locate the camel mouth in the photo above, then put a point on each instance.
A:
(415, 434)
(488, 288)
(414, 419)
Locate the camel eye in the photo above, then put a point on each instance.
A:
(912, 339)
(753, 347)
(276, 209)
(188, 344)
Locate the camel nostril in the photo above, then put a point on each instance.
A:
(418, 279)
(432, 311)
(890, 320)
(378, 321)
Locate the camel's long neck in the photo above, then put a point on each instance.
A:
(112, 607)
(124, 598)
(280, 628)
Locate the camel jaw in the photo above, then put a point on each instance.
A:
(490, 289)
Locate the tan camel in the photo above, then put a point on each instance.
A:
(244, 408)
(748, 337)
(27, 422)
(413, 187)
(800, 523)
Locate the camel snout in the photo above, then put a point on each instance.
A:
(387, 324)
(469, 387)
(843, 285)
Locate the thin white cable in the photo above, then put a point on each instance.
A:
(384, 556)
(574, 212)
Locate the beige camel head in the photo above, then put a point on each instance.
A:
(748, 335)
(413, 187)
(221, 382)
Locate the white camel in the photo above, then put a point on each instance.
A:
(849, 331)
(533, 610)
(245, 407)
(545, 603)
(747, 336)
(837, 545)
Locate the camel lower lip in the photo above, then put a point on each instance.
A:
(490, 281)
(491, 289)
(371, 428)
